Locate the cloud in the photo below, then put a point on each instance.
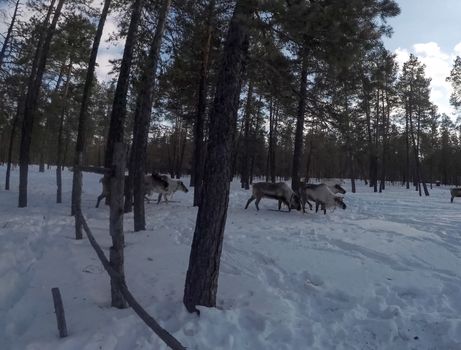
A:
(438, 66)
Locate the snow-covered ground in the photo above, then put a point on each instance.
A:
(383, 274)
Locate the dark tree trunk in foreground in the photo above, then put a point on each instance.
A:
(197, 173)
(298, 146)
(8, 34)
(116, 254)
(142, 119)
(33, 92)
(82, 122)
(202, 275)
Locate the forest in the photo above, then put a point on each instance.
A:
(319, 95)
(253, 90)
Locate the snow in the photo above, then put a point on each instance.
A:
(382, 274)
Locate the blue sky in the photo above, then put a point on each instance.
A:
(431, 30)
(424, 21)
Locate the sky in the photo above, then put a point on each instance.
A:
(427, 28)
(431, 30)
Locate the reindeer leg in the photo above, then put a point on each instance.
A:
(316, 206)
(252, 198)
(101, 196)
(257, 202)
(159, 198)
(310, 205)
(324, 209)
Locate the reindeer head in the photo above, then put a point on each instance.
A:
(340, 189)
(183, 187)
(295, 202)
(339, 202)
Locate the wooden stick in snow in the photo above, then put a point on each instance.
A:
(59, 309)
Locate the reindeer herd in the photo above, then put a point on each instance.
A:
(323, 195)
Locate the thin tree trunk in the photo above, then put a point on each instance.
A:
(117, 119)
(274, 139)
(142, 118)
(8, 34)
(246, 139)
(32, 97)
(181, 154)
(118, 115)
(203, 271)
(59, 159)
(407, 143)
(82, 123)
(197, 171)
(19, 112)
(298, 146)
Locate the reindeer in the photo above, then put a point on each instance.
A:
(280, 191)
(150, 181)
(173, 186)
(455, 192)
(322, 195)
(334, 188)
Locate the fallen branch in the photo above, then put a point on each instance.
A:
(169, 340)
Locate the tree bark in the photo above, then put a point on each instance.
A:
(298, 146)
(201, 108)
(142, 118)
(202, 274)
(116, 254)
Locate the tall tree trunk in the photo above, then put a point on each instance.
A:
(197, 171)
(117, 119)
(352, 170)
(203, 271)
(371, 156)
(181, 154)
(298, 147)
(407, 153)
(270, 152)
(386, 122)
(118, 115)
(116, 253)
(142, 118)
(83, 121)
(59, 159)
(16, 120)
(33, 92)
(45, 135)
(245, 180)
(8, 34)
